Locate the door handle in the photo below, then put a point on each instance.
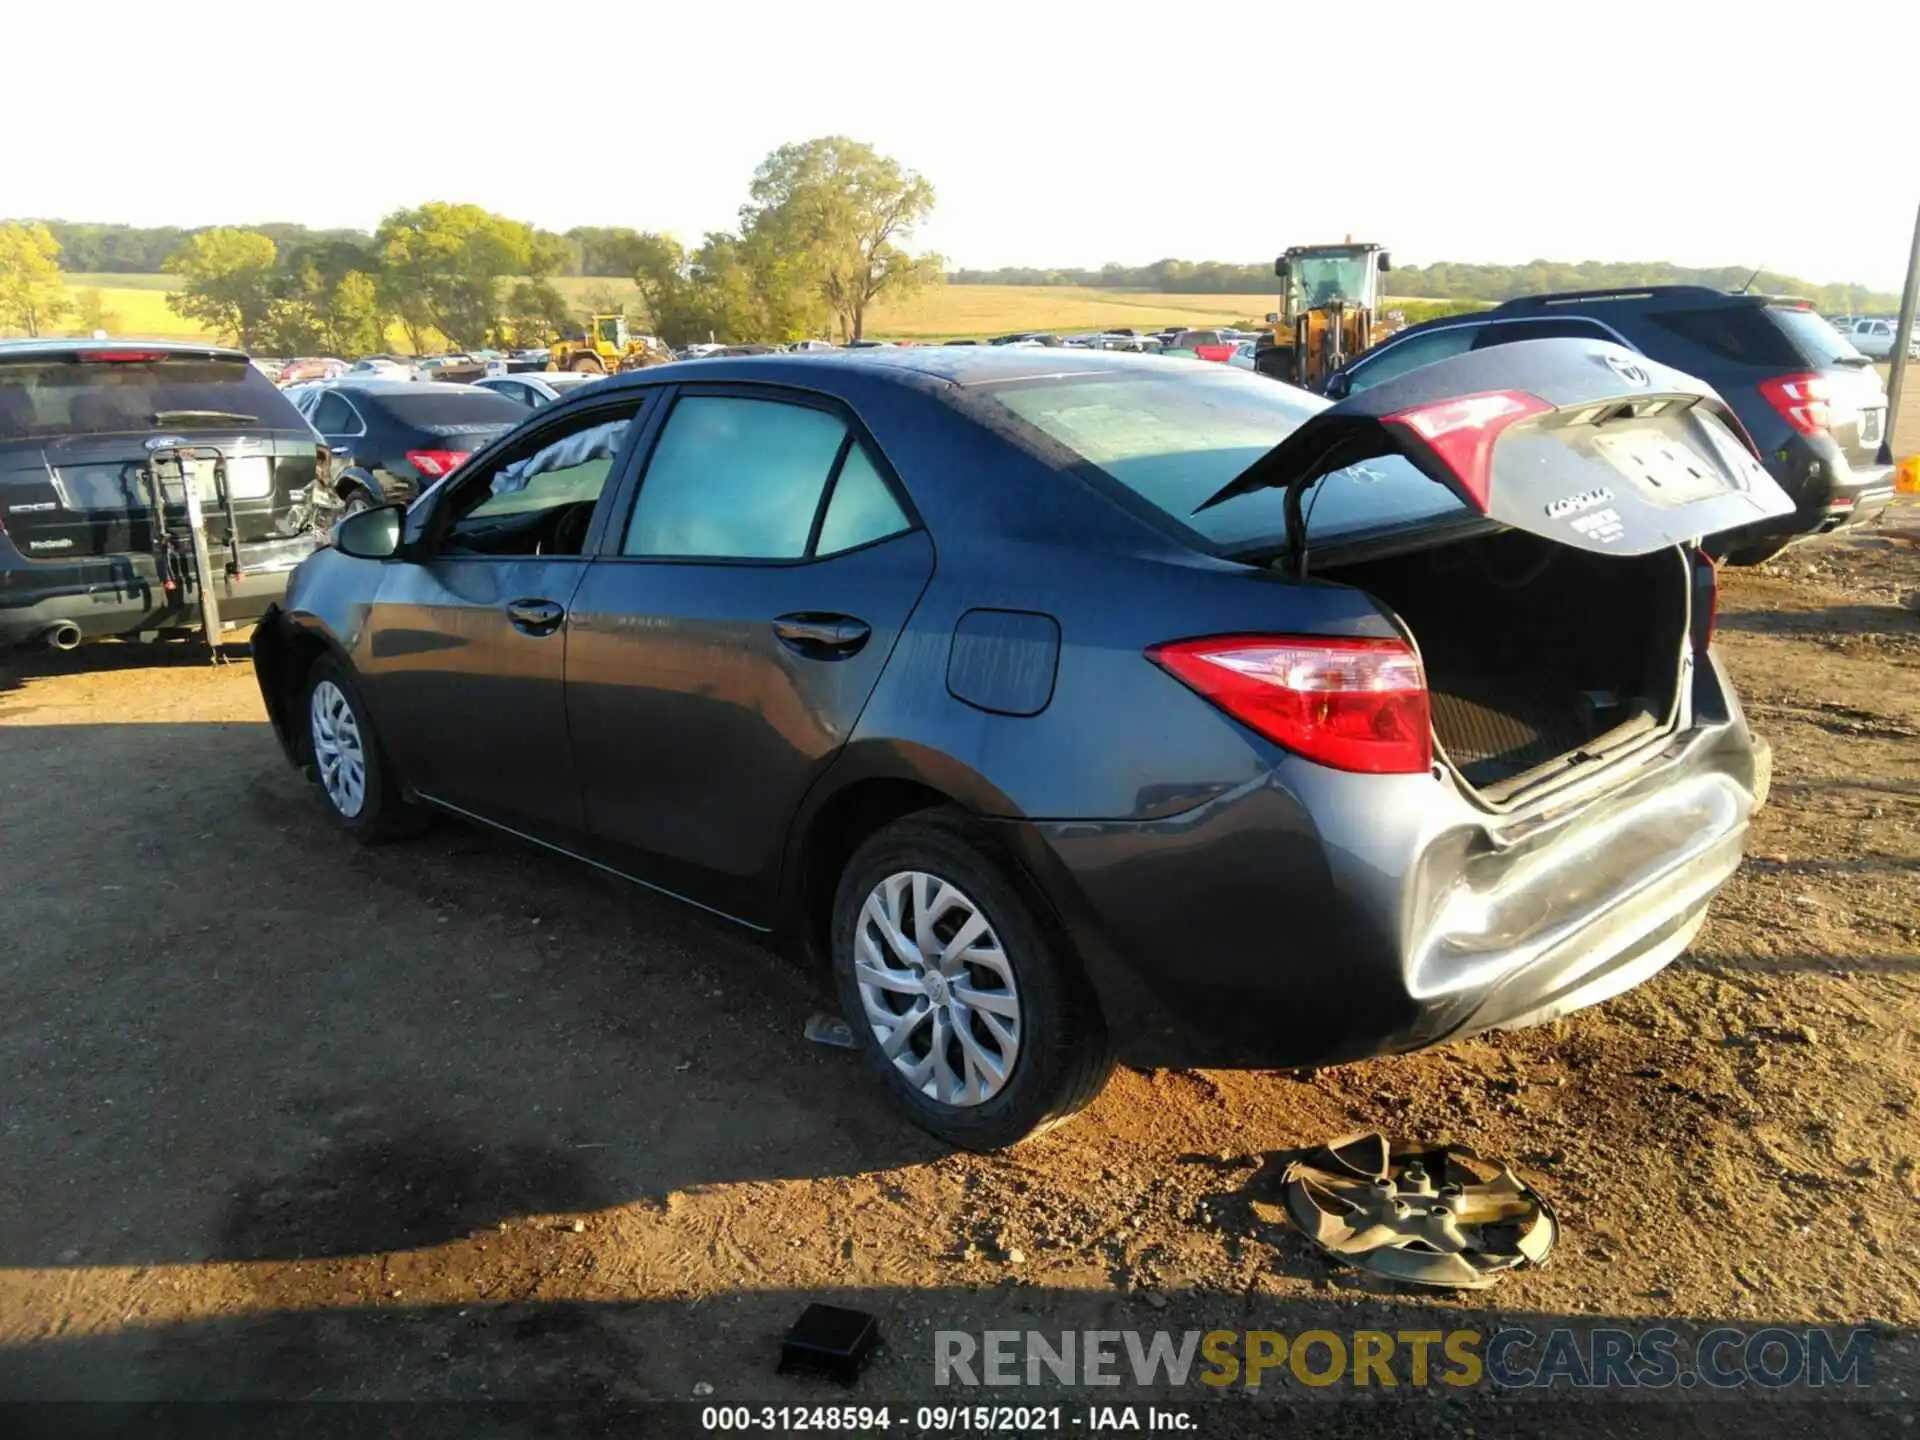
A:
(822, 637)
(535, 617)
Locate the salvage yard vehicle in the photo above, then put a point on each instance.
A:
(1230, 727)
(390, 439)
(96, 538)
(1811, 402)
(535, 392)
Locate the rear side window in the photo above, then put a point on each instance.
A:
(1174, 440)
(1412, 353)
(69, 397)
(733, 478)
(334, 416)
(1741, 334)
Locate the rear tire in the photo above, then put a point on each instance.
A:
(1015, 987)
(587, 365)
(357, 786)
(1755, 552)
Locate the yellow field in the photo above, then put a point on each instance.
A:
(945, 312)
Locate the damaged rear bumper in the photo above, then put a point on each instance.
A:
(1318, 916)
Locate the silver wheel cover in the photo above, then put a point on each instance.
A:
(937, 989)
(338, 750)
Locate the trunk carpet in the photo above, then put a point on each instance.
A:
(1494, 728)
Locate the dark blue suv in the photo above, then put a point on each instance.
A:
(1814, 405)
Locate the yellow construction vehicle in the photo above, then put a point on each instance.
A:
(605, 347)
(1329, 311)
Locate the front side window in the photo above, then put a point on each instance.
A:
(539, 497)
(736, 478)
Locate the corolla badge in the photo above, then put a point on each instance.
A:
(1628, 371)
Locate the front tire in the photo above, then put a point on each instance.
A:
(966, 1003)
(356, 784)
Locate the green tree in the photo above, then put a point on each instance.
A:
(227, 283)
(832, 215)
(90, 309)
(326, 299)
(33, 293)
(443, 266)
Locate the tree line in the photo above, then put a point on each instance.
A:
(1446, 280)
(822, 236)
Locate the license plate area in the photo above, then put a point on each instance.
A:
(1664, 469)
(248, 478)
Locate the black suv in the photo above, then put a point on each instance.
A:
(1815, 406)
(94, 537)
(391, 439)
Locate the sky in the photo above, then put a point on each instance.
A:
(1055, 133)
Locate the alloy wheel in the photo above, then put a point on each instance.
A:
(937, 989)
(339, 753)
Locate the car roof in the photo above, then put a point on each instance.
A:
(960, 365)
(15, 349)
(400, 387)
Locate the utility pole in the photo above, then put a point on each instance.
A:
(1902, 337)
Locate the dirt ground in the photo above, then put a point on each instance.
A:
(281, 1117)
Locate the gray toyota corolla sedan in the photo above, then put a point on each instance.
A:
(1074, 704)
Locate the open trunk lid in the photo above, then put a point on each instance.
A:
(1581, 442)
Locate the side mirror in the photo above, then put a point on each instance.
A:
(1273, 317)
(1280, 267)
(1339, 385)
(1386, 262)
(372, 534)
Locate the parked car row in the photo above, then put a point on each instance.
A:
(1873, 335)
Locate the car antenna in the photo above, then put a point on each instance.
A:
(1749, 285)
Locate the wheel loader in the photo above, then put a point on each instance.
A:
(605, 347)
(1329, 311)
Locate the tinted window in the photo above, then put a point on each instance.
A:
(333, 416)
(569, 469)
(862, 508)
(734, 479)
(1411, 354)
(449, 407)
(64, 397)
(1187, 339)
(1740, 334)
(1174, 440)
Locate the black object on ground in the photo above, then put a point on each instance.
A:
(831, 1341)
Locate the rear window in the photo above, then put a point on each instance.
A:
(69, 397)
(1740, 334)
(1174, 440)
(1187, 339)
(451, 407)
(1819, 343)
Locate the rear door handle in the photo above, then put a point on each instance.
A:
(535, 617)
(822, 637)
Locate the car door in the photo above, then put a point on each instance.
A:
(466, 652)
(726, 641)
(340, 425)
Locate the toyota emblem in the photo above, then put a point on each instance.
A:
(1629, 371)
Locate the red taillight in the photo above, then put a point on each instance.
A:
(121, 357)
(1349, 704)
(435, 463)
(1706, 600)
(1462, 431)
(1802, 401)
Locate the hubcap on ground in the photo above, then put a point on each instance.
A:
(338, 752)
(937, 989)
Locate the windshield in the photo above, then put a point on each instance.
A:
(1818, 342)
(1175, 440)
(1314, 280)
(610, 331)
(70, 397)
